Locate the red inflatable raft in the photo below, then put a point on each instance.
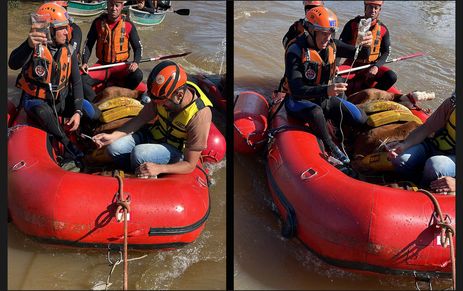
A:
(348, 222)
(79, 209)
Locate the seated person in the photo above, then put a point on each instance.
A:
(175, 142)
(433, 156)
(49, 71)
(112, 33)
(379, 51)
(310, 69)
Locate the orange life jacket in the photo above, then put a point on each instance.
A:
(112, 45)
(376, 42)
(316, 70)
(43, 70)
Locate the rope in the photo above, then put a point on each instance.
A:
(123, 204)
(114, 264)
(447, 232)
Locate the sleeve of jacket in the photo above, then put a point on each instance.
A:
(76, 39)
(385, 48)
(294, 70)
(20, 56)
(77, 90)
(344, 50)
(92, 36)
(135, 42)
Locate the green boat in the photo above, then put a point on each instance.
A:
(78, 8)
(145, 18)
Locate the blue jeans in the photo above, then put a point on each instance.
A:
(425, 158)
(132, 150)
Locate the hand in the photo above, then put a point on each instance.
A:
(74, 122)
(336, 89)
(147, 170)
(103, 139)
(84, 68)
(35, 37)
(395, 149)
(133, 67)
(366, 40)
(372, 72)
(443, 185)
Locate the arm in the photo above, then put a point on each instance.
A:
(89, 42)
(198, 133)
(135, 43)
(345, 50)
(146, 114)
(77, 93)
(76, 39)
(20, 56)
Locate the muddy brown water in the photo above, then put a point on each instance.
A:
(200, 265)
(263, 259)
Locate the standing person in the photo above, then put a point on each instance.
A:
(48, 69)
(175, 142)
(309, 72)
(429, 150)
(113, 33)
(379, 51)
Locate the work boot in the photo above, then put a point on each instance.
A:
(339, 155)
(75, 153)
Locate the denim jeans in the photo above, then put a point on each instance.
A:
(132, 150)
(425, 158)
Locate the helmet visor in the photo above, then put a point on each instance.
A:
(332, 28)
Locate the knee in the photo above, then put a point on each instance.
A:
(40, 112)
(392, 76)
(137, 75)
(116, 148)
(438, 166)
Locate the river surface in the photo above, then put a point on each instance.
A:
(200, 265)
(263, 259)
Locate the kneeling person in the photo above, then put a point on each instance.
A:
(175, 142)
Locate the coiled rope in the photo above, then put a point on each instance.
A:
(447, 231)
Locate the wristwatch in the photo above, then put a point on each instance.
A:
(79, 112)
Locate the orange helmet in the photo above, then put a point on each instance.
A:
(58, 15)
(380, 3)
(312, 3)
(321, 18)
(165, 79)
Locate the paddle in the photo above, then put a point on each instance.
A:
(161, 57)
(180, 11)
(419, 54)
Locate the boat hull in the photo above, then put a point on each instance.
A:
(77, 8)
(347, 222)
(79, 209)
(146, 19)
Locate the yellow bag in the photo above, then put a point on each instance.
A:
(376, 162)
(378, 106)
(120, 112)
(116, 102)
(391, 116)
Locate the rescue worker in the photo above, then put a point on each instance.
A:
(379, 50)
(297, 28)
(145, 5)
(310, 69)
(175, 142)
(429, 150)
(113, 33)
(48, 70)
(74, 33)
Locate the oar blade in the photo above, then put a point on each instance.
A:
(182, 11)
(174, 56)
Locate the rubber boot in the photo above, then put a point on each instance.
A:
(338, 154)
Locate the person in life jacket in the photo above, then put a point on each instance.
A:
(113, 34)
(297, 28)
(74, 33)
(174, 143)
(50, 78)
(379, 50)
(152, 6)
(430, 150)
(310, 69)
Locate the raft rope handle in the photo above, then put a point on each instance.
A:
(123, 204)
(447, 232)
(308, 174)
(247, 139)
(19, 165)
